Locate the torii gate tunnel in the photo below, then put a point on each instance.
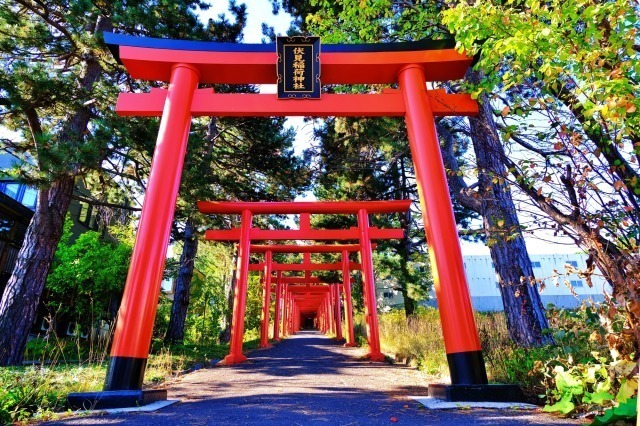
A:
(364, 233)
(186, 64)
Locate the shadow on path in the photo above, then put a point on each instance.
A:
(307, 379)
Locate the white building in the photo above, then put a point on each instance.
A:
(554, 269)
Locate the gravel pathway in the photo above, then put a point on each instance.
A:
(308, 379)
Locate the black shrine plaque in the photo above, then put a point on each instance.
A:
(298, 67)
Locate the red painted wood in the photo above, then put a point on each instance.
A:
(370, 288)
(276, 314)
(260, 68)
(134, 328)
(240, 296)
(266, 301)
(337, 266)
(454, 303)
(336, 297)
(207, 103)
(348, 303)
(298, 207)
(295, 234)
(309, 248)
(302, 280)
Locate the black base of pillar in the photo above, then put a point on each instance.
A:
(467, 368)
(115, 399)
(476, 393)
(125, 373)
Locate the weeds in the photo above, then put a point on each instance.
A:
(579, 373)
(62, 366)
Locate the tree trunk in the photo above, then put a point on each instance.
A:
(175, 330)
(225, 335)
(22, 293)
(402, 193)
(522, 306)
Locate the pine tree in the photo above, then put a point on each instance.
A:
(58, 85)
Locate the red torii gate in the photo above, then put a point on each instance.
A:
(185, 64)
(246, 233)
(344, 250)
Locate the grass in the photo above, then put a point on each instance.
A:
(417, 342)
(39, 391)
(35, 393)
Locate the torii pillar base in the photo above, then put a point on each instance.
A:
(349, 345)
(234, 359)
(267, 346)
(115, 399)
(375, 357)
(476, 393)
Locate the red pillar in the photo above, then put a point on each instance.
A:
(276, 318)
(240, 296)
(266, 304)
(137, 313)
(325, 318)
(292, 313)
(369, 284)
(329, 312)
(336, 291)
(285, 310)
(348, 303)
(461, 340)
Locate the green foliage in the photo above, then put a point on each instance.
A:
(57, 75)
(208, 301)
(85, 275)
(627, 410)
(36, 393)
(39, 393)
(577, 374)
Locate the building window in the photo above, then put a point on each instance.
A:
(493, 266)
(536, 264)
(30, 197)
(573, 263)
(497, 284)
(576, 283)
(387, 294)
(21, 193)
(87, 217)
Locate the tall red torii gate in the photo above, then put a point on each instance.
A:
(364, 233)
(186, 64)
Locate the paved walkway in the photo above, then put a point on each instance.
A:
(308, 379)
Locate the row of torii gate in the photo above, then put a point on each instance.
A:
(320, 300)
(186, 64)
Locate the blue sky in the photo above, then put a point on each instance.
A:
(258, 11)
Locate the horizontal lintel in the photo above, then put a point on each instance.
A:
(309, 248)
(335, 266)
(307, 235)
(206, 103)
(299, 207)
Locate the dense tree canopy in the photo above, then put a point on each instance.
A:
(58, 85)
